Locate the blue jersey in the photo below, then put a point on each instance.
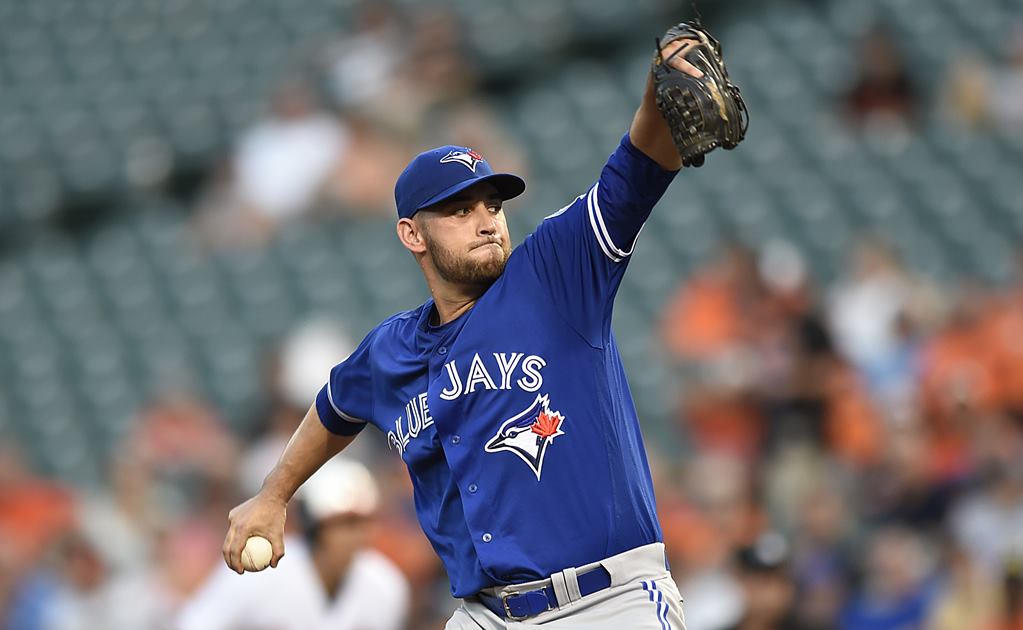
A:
(515, 420)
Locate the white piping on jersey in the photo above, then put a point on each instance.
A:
(567, 206)
(344, 416)
(593, 224)
(603, 237)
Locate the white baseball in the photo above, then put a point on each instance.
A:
(257, 553)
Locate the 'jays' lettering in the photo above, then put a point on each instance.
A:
(479, 377)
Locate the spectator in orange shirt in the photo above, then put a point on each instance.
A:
(707, 316)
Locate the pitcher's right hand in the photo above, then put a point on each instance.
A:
(262, 515)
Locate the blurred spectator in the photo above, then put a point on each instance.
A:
(1001, 334)
(362, 64)
(178, 435)
(709, 325)
(708, 314)
(907, 486)
(713, 599)
(968, 598)
(783, 269)
(958, 378)
(722, 487)
(979, 94)
(822, 556)
(867, 305)
(791, 473)
(362, 181)
(122, 519)
(768, 592)
(397, 70)
(898, 586)
(33, 511)
(820, 397)
(875, 313)
(974, 599)
(328, 577)
(1011, 615)
(279, 169)
(1006, 85)
(190, 462)
(883, 92)
(295, 375)
(80, 576)
(988, 523)
(966, 92)
(282, 161)
(439, 71)
(90, 595)
(34, 514)
(717, 515)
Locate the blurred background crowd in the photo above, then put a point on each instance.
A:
(823, 329)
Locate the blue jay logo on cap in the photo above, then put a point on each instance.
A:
(529, 433)
(467, 158)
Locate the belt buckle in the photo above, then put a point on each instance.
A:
(507, 610)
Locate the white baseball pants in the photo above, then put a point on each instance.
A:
(642, 596)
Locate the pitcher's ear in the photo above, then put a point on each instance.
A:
(410, 233)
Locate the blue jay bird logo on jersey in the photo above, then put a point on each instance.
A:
(529, 433)
(467, 158)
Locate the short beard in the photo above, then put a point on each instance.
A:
(458, 271)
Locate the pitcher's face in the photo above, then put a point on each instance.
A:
(466, 237)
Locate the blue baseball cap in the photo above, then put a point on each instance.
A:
(440, 173)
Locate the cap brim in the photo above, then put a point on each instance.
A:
(508, 186)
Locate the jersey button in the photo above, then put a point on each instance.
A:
(455, 439)
(473, 488)
(442, 350)
(487, 537)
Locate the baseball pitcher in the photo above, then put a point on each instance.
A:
(504, 393)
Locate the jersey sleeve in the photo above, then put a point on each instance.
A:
(345, 403)
(580, 252)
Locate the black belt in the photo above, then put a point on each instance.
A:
(518, 606)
